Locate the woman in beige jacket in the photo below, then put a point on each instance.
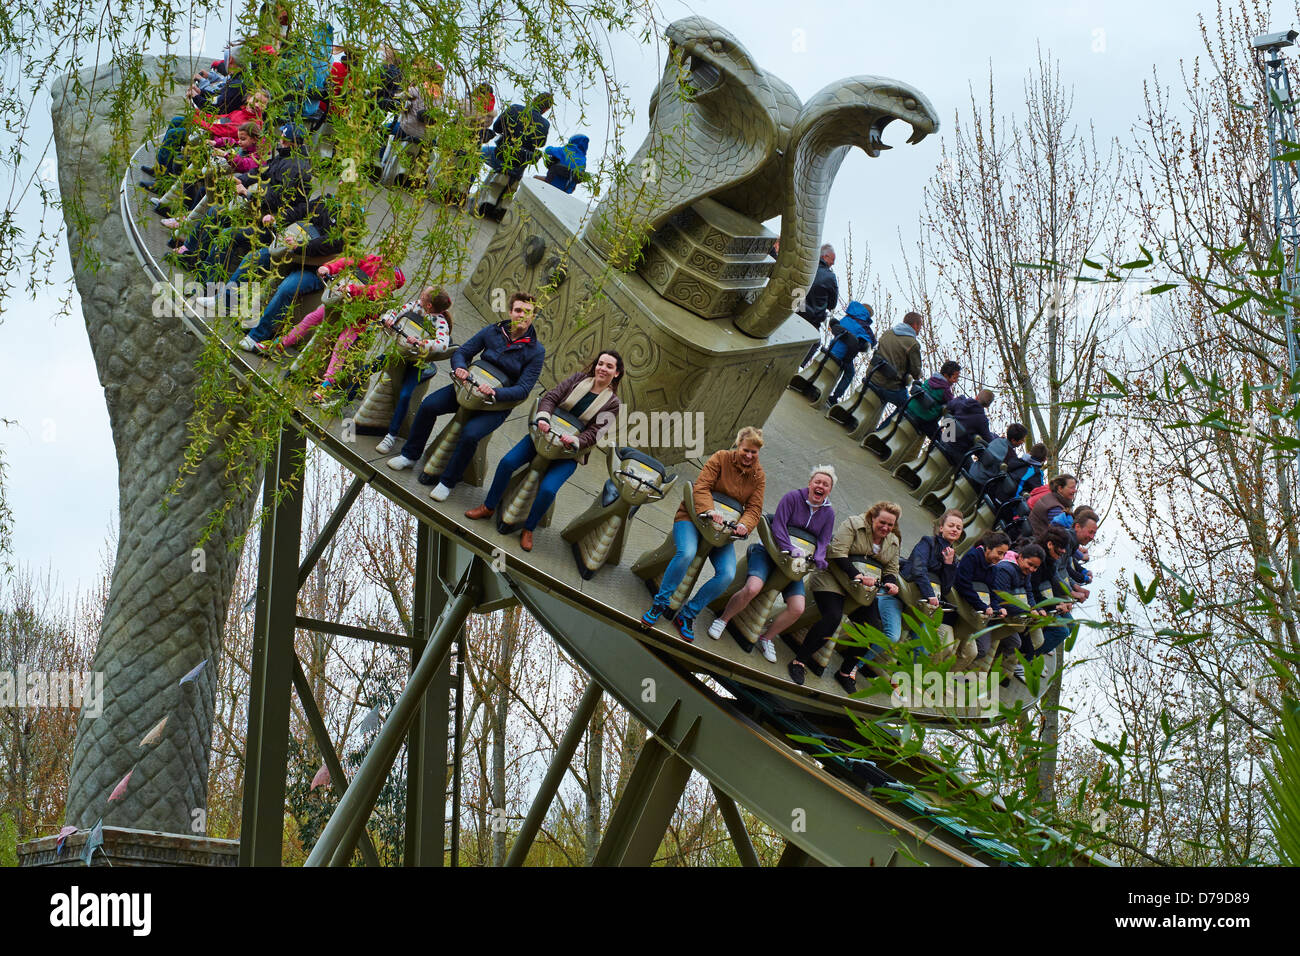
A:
(872, 536)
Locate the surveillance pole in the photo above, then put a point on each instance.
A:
(1282, 138)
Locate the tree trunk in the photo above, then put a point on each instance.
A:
(509, 630)
(163, 617)
(595, 774)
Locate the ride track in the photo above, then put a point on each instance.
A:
(735, 733)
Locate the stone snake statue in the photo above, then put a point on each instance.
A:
(723, 129)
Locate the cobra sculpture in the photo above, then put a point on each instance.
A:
(723, 129)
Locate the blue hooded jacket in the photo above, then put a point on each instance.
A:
(565, 164)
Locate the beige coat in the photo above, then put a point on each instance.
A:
(853, 536)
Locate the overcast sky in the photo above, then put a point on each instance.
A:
(62, 469)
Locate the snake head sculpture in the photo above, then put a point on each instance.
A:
(723, 128)
(712, 124)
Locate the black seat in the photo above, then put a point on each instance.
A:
(626, 453)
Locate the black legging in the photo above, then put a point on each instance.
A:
(831, 606)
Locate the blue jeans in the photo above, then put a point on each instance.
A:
(172, 141)
(479, 426)
(896, 397)
(760, 566)
(555, 476)
(1053, 637)
(410, 379)
(258, 257)
(687, 541)
(885, 613)
(295, 285)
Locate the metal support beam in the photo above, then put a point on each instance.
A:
(331, 526)
(792, 855)
(361, 633)
(831, 819)
(336, 842)
(457, 741)
(338, 779)
(266, 758)
(568, 746)
(426, 744)
(641, 818)
(736, 827)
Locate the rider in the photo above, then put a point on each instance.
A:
(733, 472)
(512, 347)
(808, 508)
(592, 395)
(873, 535)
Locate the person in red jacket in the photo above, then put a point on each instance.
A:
(384, 279)
(224, 126)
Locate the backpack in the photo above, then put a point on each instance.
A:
(927, 403)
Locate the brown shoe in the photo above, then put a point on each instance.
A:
(526, 540)
(482, 511)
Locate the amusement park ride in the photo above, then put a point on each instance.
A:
(705, 326)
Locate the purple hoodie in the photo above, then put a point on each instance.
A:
(793, 509)
(940, 383)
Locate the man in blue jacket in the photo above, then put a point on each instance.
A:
(510, 346)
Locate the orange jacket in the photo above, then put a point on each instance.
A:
(722, 472)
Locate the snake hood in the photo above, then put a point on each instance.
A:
(722, 127)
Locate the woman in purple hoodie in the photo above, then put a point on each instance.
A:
(808, 508)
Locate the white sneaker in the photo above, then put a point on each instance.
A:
(768, 648)
(717, 627)
(386, 444)
(440, 492)
(400, 463)
(247, 344)
(206, 303)
(1018, 671)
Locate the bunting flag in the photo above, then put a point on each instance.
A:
(195, 673)
(121, 787)
(63, 838)
(370, 721)
(321, 779)
(155, 735)
(93, 842)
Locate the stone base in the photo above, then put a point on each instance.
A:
(124, 846)
(675, 360)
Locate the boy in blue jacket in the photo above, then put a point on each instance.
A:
(510, 346)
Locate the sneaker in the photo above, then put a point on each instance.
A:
(400, 463)
(206, 303)
(270, 347)
(386, 444)
(651, 617)
(440, 492)
(685, 627)
(1018, 672)
(717, 627)
(768, 648)
(248, 345)
(171, 222)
